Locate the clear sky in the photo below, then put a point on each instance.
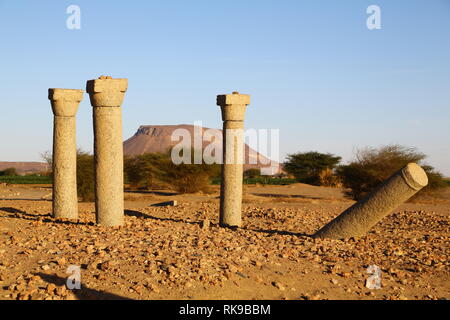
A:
(313, 69)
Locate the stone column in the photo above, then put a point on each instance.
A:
(106, 96)
(233, 113)
(65, 104)
(357, 220)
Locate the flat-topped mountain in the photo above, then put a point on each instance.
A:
(157, 138)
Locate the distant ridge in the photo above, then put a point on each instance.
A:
(157, 138)
(25, 167)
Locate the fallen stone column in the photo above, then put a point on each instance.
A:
(357, 220)
(65, 104)
(233, 113)
(106, 95)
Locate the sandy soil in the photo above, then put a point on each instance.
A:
(180, 252)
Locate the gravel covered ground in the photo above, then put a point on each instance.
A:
(180, 252)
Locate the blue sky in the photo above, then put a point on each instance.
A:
(313, 69)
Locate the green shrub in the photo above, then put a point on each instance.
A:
(153, 169)
(372, 166)
(85, 176)
(30, 179)
(144, 170)
(189, 178)
(10, 172)
(306, 167)
(252, 173)
(328, 178)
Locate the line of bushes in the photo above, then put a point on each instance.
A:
(369, 168)
(31, 179)
(157, 170)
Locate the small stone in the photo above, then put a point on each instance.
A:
(61, 291)
(138, 289)
(21, 287)
(105, 266)
(278, 285)
(205, 224)
(51, 288)
(232, 268)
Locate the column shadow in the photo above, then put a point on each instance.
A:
(139, 214)
(280, 232)
(20, 214)
(25, 199)
(84, 293)
(267, 231)
(158, 193)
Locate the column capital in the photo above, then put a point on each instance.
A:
(106, 92)
(233, 106)
(65, 102)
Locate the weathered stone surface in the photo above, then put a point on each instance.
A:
(361, 217)
(233, 106)
(65, 104)
(233, 112)
(107, 92)
(106, 95)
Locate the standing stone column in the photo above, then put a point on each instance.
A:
(357, 220)
(65, 104)
(106, 96)
(233, 113)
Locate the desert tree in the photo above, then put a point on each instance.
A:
(85, 176)
(144, 170)
(371, 166)
(11, 172)
(307, 167)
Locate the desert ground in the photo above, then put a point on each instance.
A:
(180, 252)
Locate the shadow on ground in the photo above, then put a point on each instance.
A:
(279, 232)
(293, 196)
(16, 212)
(158, 193)
(20, 214)
(139, 214)
(84, 293)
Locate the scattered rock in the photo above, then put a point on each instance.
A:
(278, 285)
(205, 224)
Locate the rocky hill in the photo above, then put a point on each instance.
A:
(157, 138)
